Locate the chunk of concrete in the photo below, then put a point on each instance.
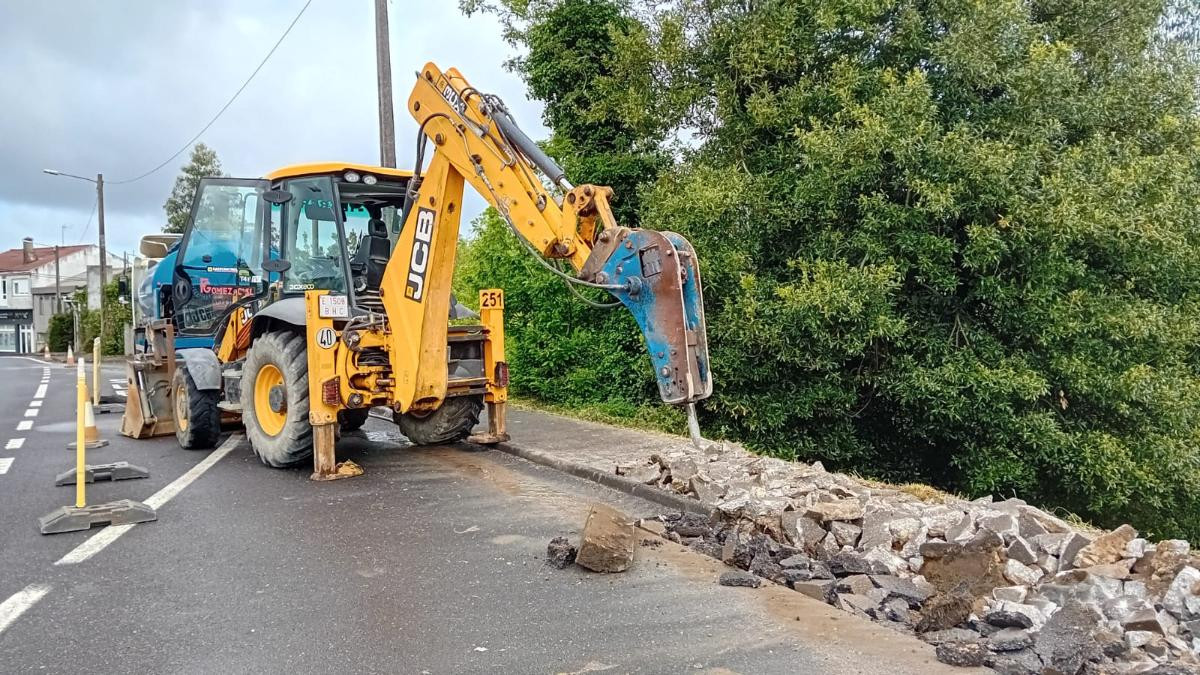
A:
(1074, 544)
(1107, 548)
(976, 568)
(560, 553)
(1003, 524)
(817, 589)
(1067, 639)
(846, 534)
(962, 654)
(1005, 614)
(842, 509)
(1021, 551)
(1180, 598)
(608, 542)
(944, 610)
(937, 637)
(1009, 640)
(1145, 619)
(801, 531)
(899, 587)
(1020, 574)
(739, 578)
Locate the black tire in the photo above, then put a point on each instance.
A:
(293, 442)
(352, 419)
(450, 423)
(197, 417)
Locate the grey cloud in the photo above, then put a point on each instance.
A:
(118, 86)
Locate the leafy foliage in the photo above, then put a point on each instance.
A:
(203, 163)
(59, 332)
(950, 241)
(117, 316)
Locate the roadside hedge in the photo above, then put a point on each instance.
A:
(953, 242)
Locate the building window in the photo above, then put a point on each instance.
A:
(20, 287)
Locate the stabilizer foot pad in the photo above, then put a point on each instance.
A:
(74, 519)
(90, 445)
(94, 472)
(488, 439)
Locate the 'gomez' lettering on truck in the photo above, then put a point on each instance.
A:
(422, 238)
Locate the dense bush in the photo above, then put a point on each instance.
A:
(949, 241)
(59, 332)
(117, 316)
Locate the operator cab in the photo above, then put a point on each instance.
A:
(327, 226)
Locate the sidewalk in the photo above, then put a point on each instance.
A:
(592, 451)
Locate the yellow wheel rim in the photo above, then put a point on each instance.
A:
(269, 421)
(181, 408)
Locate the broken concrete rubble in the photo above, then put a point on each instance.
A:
(996, 575)
(560, 553)
(739, 578)
(608, 542)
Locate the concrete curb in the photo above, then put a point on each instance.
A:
(610, 480)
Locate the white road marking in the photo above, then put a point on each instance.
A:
(32, 412)
(24, 425)
(41, 391)
(12, 608)
(14, 444)
(5, 463)
(41, 361)
(99, 541)
(35, 404)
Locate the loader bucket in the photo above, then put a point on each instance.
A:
(148, 410)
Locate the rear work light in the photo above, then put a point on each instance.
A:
(501, 378)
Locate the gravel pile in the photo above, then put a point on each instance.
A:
(1000, 584)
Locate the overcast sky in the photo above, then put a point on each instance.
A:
(117, 86)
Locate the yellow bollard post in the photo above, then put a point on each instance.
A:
(80, 445)
(96, 372)
(81, 516)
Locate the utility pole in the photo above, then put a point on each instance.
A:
(103, 251)
(383, 69)
(57, 285)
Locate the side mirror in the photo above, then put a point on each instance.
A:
(277, 196)
(277, 265)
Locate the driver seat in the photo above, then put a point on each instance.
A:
(372, 257)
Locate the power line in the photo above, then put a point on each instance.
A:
(223, 108)
(88, 225)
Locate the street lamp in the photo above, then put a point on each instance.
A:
(99, 182)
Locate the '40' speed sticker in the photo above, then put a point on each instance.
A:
(326, 338)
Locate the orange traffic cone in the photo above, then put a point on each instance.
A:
(70, 356)
(91, 435)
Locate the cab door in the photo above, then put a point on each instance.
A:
(220, 259)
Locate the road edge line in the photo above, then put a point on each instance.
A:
(20, 602)
(99, 541)
(609, 480)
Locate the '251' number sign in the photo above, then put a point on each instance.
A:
(491, 298)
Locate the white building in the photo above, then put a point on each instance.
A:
(23, 324)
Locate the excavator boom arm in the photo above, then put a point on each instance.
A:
(475, 141)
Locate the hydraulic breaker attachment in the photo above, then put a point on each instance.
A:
(658, 280)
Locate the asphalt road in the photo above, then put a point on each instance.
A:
(432, 562)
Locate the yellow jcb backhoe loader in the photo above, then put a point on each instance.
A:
(325, 289)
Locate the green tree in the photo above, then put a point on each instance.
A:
(948, 241)
(203, 163)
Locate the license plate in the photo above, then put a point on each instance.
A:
(333, 307)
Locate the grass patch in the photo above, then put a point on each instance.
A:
(664, 419)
